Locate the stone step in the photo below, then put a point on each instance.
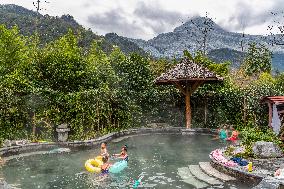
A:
(188, 178)
(209, 170)
(200, 175)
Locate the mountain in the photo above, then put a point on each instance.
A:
(221, 44)
(190, 36)
(278, 62)
(124, 44)
(50, 28)
(226, 54)
(236, 58)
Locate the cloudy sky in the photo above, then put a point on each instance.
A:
(145, 19)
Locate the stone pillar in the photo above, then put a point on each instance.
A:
(62, 131)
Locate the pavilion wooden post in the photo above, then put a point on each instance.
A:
(187, 106)
(187, 90)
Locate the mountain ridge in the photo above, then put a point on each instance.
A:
(222, 45)
(52, 27)
(186, 36)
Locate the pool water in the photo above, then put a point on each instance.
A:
(155, 157)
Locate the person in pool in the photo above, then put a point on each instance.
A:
(234, 135)
(123, 154)
(222, 133)
(105, 167)
(104, 152)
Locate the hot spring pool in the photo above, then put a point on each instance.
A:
(156, 157)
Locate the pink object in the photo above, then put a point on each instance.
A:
(218, 156)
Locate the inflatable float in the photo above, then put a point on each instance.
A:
(94, 165)
(118, 167)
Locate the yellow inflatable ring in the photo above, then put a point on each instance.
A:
(94, 165)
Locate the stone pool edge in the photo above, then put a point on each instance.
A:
(143, 130)
(15, 150)
(264, 181)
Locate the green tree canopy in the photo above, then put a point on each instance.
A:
(258, 59)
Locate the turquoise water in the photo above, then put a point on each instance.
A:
(155, 157)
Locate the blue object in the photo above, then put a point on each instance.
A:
(239, 161)
(223, 134)
(126, 159)
(106, 171)
(118, 167)
(136, 184)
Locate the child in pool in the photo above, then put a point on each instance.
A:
(105, 167)
(104, 152)
(234, 135)
(123, 154)
(222, 133)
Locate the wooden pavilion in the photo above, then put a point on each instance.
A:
(270, 101)
(187, 76)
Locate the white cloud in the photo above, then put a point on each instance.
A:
(145, 19)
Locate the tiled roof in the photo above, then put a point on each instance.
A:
(187, 70)
(273, 99)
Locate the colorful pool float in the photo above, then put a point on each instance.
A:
(118, 167)
(94, 165)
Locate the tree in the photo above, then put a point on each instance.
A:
(258, 59)
(221, 69)
(61, 66)
(15, 59)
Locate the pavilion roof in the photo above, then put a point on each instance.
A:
(272, 99)
(187, 70)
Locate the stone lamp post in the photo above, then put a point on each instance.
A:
(62, 131)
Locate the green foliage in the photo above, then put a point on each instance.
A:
(44, 86)
(60, 65)
(229, 150)
(15, 57)
(258, 59)
(95, 92)
(280, 81)
(160, 66)
(221, 69)
(250, 135)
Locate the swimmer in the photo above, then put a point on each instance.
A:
(234, 135)
(104, 152)
(123, 154)
(105, 167)
(222, 133)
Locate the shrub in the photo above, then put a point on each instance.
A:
(250, 135)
